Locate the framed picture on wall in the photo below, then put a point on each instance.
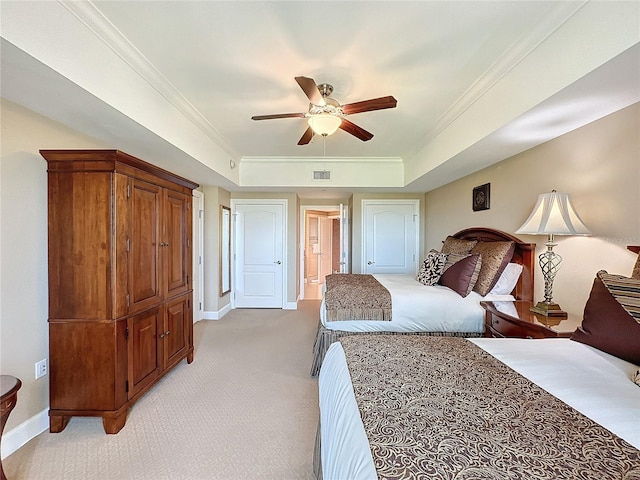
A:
(481, 196)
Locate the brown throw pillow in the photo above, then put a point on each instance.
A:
(462, 275)
(495, 257)
(611, 320)
(457, 246)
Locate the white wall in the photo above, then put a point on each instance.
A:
(24, 337)
(598, 165)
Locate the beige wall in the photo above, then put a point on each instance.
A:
(24, 338)
(598, 165)
(214, 198)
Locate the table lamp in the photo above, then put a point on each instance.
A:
(552, 215)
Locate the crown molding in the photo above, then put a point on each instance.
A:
(519, 50)
(322, 159)
(88, 14)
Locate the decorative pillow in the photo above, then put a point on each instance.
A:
(462, 275)
(611, 320)
(453, 258)
(636, 377)
(636, 268)
(495, 257)
(457, 246)
(508, 279)
(432, 267)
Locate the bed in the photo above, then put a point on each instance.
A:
(433, 310)
(446, 407)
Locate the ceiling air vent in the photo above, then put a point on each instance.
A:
(322, 174)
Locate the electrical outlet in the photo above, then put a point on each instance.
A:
(41, 368)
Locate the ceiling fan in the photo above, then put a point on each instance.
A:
(326, 115)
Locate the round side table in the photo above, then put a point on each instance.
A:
(9, 387)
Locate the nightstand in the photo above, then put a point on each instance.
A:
(513, 319)
(9, 387)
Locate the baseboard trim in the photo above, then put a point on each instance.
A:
(227, 308)
(216, 315)
(27, 430)
(291, 306)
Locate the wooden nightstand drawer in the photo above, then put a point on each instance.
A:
(514, 319)
(504, 328)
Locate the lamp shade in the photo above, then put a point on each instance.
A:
(554, 215)
(324, 123)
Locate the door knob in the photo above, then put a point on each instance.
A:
(278, 262)
(370, 262)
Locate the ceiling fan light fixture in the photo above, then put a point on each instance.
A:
(324, 124)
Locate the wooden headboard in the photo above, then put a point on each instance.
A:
(524, 254)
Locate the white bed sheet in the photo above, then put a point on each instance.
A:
(596, 384)
(420, 308)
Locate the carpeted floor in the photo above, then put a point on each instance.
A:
(246, 408)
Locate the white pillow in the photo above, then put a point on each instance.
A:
(508, 279)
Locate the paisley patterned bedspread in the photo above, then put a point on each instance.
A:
(355, 296)
(441, 407)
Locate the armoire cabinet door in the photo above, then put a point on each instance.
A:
(144, 206)
(176, 237)
(176, 335)
(145, 357)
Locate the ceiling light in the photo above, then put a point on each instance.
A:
(324, 124)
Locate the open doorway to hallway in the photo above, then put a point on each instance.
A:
(321, 248)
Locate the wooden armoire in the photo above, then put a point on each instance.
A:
(120, 291)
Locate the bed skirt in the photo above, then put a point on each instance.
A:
(325, 337)
(317, 462)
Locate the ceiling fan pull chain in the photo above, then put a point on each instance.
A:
(324, 153)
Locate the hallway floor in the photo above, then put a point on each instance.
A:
(312, 291)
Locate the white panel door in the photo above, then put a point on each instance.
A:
(198, 256)
(326, 254)
(259, 255)
(390, 234)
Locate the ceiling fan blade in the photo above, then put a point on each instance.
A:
(278, 115)
(308, 85)
(355, 130)
(306, 137)
(368, 105)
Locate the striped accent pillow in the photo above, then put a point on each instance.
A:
(611, 320)
(625, 290)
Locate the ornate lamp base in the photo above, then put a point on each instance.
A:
(548, 309)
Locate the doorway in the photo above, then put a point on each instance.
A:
(198, 256)
(321, 248)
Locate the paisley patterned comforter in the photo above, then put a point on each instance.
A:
(440, 407)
